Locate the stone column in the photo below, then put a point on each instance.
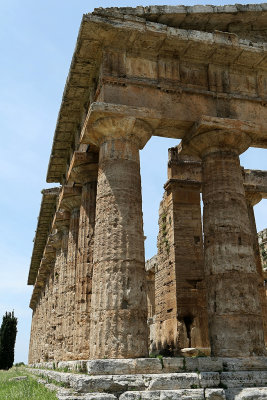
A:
(119, 304)
(85, 175)
(60, 243)
(252, 199)
(70, 201)
(151, 266)
(235, 319)
(32, 357)
(50, 255)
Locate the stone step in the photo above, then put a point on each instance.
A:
(255, 393)
(181, 394)
(84, 383)
(70, 394)
(159, 365)
(88, 396)
(244, 379)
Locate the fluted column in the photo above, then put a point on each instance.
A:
(32, 357)
(252, 199)
(235, 319)
(119, 304)
(60, 243)
(70, 201)
(50, 255)
(85, 175)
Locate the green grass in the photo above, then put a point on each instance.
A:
(28, 389)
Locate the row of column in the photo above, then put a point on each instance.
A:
(181, 318)
(107, 253)
(234, 309)
(98, 312)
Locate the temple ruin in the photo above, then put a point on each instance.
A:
(196, 74)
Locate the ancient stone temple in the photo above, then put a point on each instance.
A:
(199, 75)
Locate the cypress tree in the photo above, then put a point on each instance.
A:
(8, 332)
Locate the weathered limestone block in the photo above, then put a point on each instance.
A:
(209, 379)
(215, 394)
(244, 378)
(127, 366)
(119, 304)
(244, 364)
(174, 381)
(256, 393)
(179, 394)
(77, 365)
(235, 318)
(108, 383)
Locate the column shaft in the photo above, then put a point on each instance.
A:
(235, 320)
(119, 304)
(62, 277)
(32, 348)
(256, 249)
(70, 287)
(51, 313)
(84, 271)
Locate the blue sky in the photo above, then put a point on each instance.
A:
(37, 40)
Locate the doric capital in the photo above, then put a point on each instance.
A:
(106, 122)
(70, 198)
(55, 240)
(83, 167)
(183, 167)
(49, 251)
(253, 198)
(45, 267)
(128, 128)
(214, 134)
(85, 173)
(62, 220)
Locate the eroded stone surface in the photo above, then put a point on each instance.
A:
(256, 393)
(84, 270)
(215, 394)
(180, 394)
(127, 366)
(119, 304)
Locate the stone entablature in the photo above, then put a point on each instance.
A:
(164, 73)
(211, 63)
(46, 215)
